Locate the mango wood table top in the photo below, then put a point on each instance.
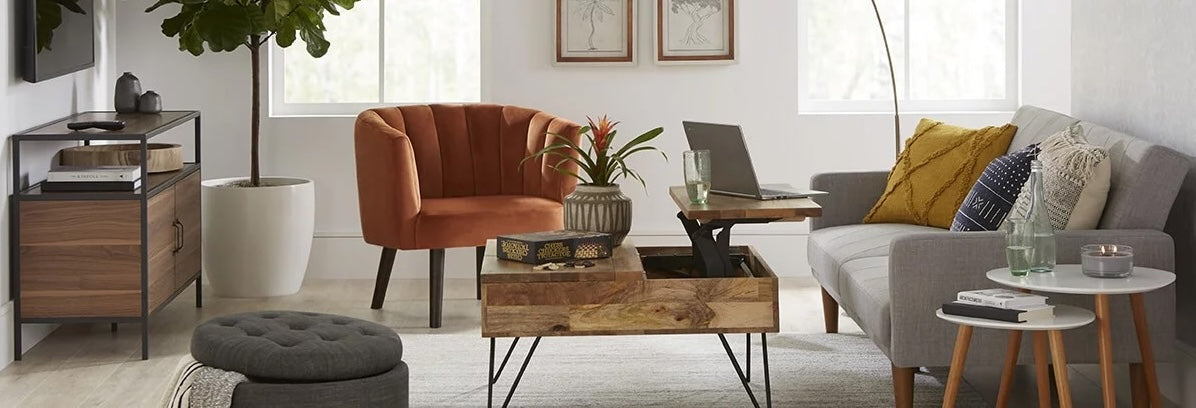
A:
(725, 207)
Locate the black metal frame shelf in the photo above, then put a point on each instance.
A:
(139, 128)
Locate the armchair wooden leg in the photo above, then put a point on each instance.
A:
(830, 312)
(385, 264)
(903, 386)
(435, 286)
(481, 253)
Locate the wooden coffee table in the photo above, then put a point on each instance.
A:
(619, 296)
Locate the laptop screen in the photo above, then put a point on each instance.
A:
(730, 165)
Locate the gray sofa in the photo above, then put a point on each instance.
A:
(890, 278)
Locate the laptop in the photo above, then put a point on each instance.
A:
(731, 171)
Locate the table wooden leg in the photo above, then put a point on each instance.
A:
(1011, 352)
(1104, 341)
(955, 376)
(1146, 350)
(1042, 373)
(1059, 358)
(1139, 397)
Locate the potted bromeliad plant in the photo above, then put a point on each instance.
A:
(597, 204)
(257, 230)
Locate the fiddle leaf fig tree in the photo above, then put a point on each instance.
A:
(227, 25)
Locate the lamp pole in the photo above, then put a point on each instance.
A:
(892, 81)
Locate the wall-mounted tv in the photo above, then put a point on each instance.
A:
(57, 37)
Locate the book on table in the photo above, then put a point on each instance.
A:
(87, 174)
(84, 186)
(1002, 298)
(967, 309)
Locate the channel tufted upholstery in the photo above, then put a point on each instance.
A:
(445, 176)
(297, 346)
(442, 158)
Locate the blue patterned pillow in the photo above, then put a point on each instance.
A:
(993, 195)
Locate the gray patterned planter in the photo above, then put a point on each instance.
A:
(599, 209)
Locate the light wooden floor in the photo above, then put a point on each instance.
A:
(88, 365)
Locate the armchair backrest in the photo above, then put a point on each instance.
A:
(1146, 176)
(475, 149)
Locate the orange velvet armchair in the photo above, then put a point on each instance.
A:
(445, 176)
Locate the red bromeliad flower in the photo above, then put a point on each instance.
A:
(601, 132)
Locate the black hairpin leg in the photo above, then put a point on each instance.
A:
(494, 375)
(744, 379)
(748, 351)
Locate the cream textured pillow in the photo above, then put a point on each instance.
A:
(1076, 177)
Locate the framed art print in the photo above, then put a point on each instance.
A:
(595, 31)
(695, 31)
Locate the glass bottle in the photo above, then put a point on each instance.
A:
(1040, 223)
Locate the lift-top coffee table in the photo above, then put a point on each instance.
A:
(709, 287)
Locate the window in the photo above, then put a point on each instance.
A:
(948, 55)
(384, 52)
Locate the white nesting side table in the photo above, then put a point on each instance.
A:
(1066, 317)
(1070, 280)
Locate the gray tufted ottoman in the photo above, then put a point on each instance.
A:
(302, 359)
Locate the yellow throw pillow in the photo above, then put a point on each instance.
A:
(936, 170)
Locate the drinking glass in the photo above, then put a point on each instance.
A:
(697, 175)
(1019, 246)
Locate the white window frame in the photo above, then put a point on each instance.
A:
(278, 107)
(1012, 76)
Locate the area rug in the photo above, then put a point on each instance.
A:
(808, 370)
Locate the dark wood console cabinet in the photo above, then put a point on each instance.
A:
(106, 256)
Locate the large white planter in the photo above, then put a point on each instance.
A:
(257, 239)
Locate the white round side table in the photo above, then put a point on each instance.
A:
(1069, 279)
(1066, 317)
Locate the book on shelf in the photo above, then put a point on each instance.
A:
(995, 313)
(82, 174)
(1002, 298)
(83, 186)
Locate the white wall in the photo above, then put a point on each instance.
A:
(24, 105)
(1133, 72)
(757, 92)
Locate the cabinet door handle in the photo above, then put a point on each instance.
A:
(182, 235)
(178, 236)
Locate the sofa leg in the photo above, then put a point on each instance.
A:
(903, 386)
(435, 286)
(830, 312)
(481, 253)
(385, 264)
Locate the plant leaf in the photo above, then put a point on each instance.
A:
(644, 138)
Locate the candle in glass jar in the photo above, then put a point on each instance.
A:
(1107, 260)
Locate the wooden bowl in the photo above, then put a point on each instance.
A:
(162, 157)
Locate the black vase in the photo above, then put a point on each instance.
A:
(128, 90)
(149, 102)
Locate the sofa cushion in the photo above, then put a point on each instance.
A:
(864, 294)
(470, 221)
(1035, 124)
(993, 195)
(935, 171)
(830, 248)
(1073, 176)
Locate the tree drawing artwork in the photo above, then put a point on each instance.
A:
(698, 11)
(593, 11)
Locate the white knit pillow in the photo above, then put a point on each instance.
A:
(1076, 177)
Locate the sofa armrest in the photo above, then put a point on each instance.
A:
(851, 196)
(928, 269)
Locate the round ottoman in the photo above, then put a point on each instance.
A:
(303, 359)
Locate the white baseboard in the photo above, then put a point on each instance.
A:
(31, 334)
(349, 257)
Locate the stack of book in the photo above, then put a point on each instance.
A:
(92, 178)
(1000, 304)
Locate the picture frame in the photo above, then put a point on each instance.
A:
(694, 31)
(595, 32)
